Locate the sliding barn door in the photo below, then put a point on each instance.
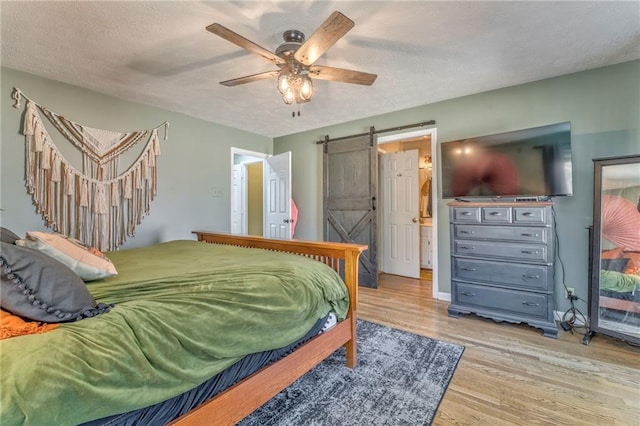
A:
(350, 190)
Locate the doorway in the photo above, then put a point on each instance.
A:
(425, 231)
(261, 194)
(247, 208)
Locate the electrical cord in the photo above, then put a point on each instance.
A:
(557, 248)
(573, 314)
(570, 319)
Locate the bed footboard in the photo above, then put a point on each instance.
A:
(242, 399)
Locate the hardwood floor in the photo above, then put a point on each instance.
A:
(511, 374)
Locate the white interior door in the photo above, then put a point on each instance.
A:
(277, 196)
(401, 227)
(239, 200)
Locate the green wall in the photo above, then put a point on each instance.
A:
(603, 106)
(195, 163)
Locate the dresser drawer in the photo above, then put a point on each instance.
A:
(532, 305)
(496, 214)
(466, 214)
(527, 277)
(529, 215)
(504, 233)
(515, 251)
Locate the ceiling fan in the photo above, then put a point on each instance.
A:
(295, 59)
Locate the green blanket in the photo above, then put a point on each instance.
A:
(618, 281)
(184, 311)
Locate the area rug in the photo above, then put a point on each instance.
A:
(400, 380)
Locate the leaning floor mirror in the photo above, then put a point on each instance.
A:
(614, 306)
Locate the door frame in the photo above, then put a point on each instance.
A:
(399, 137)
(236, 158)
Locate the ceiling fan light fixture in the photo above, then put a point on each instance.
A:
(294, 87)
(306, 88)
(283, 82)
(289, 96)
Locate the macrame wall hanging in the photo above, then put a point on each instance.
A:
(95, 204)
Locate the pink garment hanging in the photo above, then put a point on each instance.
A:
(294, 217)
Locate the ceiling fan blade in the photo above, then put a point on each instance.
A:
(246, 44)
(339, 74)
(331, 30)
(250, 78)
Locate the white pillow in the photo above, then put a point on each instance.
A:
(88, 262)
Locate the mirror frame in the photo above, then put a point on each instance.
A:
(596, 249)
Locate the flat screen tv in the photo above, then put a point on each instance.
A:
(527, 164)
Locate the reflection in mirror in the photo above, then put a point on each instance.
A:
(615, 292)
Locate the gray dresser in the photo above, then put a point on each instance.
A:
(502, 262)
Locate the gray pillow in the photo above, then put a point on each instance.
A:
(37, 287)
(617, 265)
(7, 236)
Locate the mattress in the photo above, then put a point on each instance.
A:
(166, 411)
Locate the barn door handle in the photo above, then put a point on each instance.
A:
(373, 203)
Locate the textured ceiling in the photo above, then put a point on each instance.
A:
(158, 52)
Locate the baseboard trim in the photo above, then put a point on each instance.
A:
(444, 296)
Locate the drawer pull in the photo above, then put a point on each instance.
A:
(529, 235)
(468, 293)
(529, 251)
(533, 277)
(467, 232)
(495, 214)
(466, 268)
(467, 247)
(465, 213)
(530, 304)
(528, 214)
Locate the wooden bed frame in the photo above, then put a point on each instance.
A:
(237, 402)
